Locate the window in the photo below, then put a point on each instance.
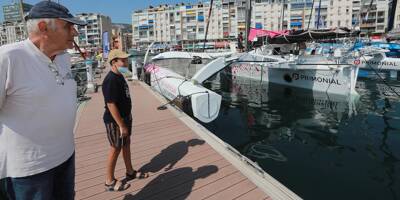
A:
(201, 29)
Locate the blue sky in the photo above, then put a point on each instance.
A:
(119, 10)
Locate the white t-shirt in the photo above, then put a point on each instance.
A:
(37, 114)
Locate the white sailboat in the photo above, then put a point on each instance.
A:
(318, 73)
(373, 58)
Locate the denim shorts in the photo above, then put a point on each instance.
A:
(56, 183)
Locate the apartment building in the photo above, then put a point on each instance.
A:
(339, 13)
(11, 32)
(187, 23)
(396, 24)
(97, 29)
(370, 15)
(270, 14)
(121, 35)
(12, 29)
(168, 23)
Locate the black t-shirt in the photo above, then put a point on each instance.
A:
(116, 90)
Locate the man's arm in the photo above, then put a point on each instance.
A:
(118, 119)
(4, 64)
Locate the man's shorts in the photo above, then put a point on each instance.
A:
(114, 135)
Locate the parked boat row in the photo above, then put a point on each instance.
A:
(285, 61)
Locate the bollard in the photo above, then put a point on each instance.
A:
(100, 64)
(89, 74)
(134, 70)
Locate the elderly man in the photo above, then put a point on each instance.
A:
(38, 107)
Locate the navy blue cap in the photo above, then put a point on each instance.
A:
(49, 9)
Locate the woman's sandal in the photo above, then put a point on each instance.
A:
(132, 176)
(135, 175)
(116, 185)
(143, 175)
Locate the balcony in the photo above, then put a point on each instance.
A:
(368, 25)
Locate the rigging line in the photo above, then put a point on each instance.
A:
(309, 19)
(369, 9)
(330, 84)
(176, 77)
(380, 77)
(163, 106)
(319, 13)
(179, 91)
(208, 24)
(208, 103)
(158, 84)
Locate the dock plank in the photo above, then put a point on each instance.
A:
(159, 139)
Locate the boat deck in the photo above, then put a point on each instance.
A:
(179, 163)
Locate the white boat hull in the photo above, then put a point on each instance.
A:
(322, 76)
(335, 81)
(205, 104)
(190, 55)
(378, 63)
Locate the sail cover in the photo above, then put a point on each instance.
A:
(298, 36)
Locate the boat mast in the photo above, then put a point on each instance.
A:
(392, 15)
(248, 23)
(283, 14)
(319, 14)
(21, 11)
(366, 15)
(369, 9)
(309, 19)
(208, 23)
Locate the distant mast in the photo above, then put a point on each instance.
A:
(248, 22)
(319, 14)
(309, 18)
(21, 10)
(282, 15)
(208, 24)
(392, 15)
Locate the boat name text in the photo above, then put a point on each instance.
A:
(296, 76)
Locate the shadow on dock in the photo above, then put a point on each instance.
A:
(169, 156)
(175, 184)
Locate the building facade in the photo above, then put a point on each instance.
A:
(11, 32)
(98, 28)
(121, 37)
(270, 15)
(187, 23)
(13, 29)
(370, 15)
(396, 24)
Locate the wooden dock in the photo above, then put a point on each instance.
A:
(180, 163)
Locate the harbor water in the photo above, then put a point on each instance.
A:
(318, 145)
